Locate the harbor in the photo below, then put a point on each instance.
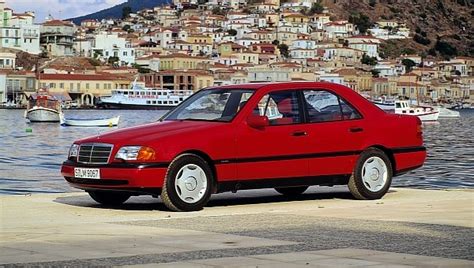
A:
(31, 154)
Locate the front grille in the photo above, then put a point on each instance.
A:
(94, 153)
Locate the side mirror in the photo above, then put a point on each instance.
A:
(257, 121)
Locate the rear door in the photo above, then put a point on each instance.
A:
(335, 133)
(276, 151)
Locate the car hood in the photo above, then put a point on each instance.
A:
(150, 133)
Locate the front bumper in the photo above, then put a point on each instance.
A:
(119, 176)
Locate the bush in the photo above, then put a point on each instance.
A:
(421, 40)
(362, 22)
(445, 49)
(368, 60)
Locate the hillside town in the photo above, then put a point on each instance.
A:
(192, 44)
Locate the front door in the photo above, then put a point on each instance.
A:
(276, 151)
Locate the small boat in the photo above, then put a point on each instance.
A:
(43, 107)
(448, 113)
(425, 113)
(101, 122)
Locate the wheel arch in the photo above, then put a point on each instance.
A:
(389, 154)
(209, 161)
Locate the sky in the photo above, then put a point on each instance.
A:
(60, 9)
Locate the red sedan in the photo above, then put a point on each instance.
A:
(286, 136)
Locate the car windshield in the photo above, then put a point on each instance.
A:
(211, 105)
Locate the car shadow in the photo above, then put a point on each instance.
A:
(250, 197)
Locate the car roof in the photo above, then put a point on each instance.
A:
(283, 84)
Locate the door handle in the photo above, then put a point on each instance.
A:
(299, 133)
(356, 129)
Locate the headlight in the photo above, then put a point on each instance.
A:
(135, 153)
(73, 151)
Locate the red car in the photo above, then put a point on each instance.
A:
(286, 136)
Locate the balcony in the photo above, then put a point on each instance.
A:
(30, 35)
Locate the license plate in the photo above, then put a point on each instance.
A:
(87, 173)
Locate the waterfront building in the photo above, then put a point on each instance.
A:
(178, 79)
(18, 31)
(180, 61)
(84, 88)
(57, 38)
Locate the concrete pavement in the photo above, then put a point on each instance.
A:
(322, 228)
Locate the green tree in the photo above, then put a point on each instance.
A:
(126, 28)
(361, 21)
(446, 49)
(232, 32)
(316, 8)
(275, 42)
(113, 60)
(409, 64)
(368, 60)
(284, 50)
(126, 12)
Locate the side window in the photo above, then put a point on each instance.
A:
(348, 111)
(281, 108)
(322, 106)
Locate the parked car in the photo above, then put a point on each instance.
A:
(286, 136)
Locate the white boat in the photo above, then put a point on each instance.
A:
(100, 122)
(448, 113)
(144, 98)
(385, 104)
(43, 107)
(425, 113)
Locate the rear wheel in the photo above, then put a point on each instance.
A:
(372, 175)
(109, 198)
(188, 183)
(292, 191)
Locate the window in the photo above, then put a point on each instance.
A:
(281, 108)
(97, 86)
(323, 106)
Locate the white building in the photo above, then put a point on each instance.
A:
(57, 38)
(304, 43)
(7, 58)
(258, 74)
(302, 53)
(330, 77)
(18, 31)
(368, 44)
(111, 45)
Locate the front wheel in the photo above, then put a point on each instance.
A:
(372, 175)
(188, 183)
(109, 198)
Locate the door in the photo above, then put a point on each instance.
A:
(335, 133)
(276, 151)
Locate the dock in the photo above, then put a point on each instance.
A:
(325, 227)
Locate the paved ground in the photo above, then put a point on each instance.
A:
(323, 228)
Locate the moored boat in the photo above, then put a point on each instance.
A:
(448, 113)
(99, 122)
(425, 113)
(43, 107)
(139, 97)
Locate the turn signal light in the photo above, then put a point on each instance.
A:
(146, 154)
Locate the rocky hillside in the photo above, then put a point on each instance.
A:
(115, 12)
(440, 27)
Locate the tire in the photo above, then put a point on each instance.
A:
(292, 191)
(109, 198)
(188, 183)
(372, 175)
